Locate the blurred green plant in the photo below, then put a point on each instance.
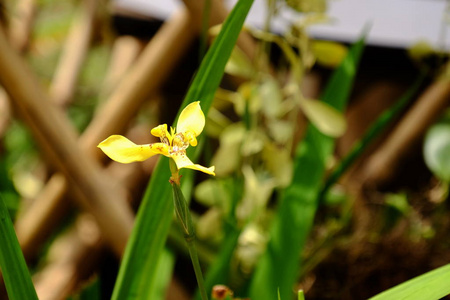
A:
(280, 265)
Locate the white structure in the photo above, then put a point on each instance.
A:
(394, 23)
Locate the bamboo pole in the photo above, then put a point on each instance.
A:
(21, 23)
(70, 260)
(151, 68)
(103, 198)
(62, 88)
(124, 53)
(73, 257)
(389, 157)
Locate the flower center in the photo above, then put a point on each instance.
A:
(179, 143)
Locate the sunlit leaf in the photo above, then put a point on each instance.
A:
(271, 97)
(240, 65)
(431, 285)
(210, 192)
(228, 155)
(308, 6)
(326, 118)
(279, 163)
(209, 225)
(420, 50)
(329, 54)
(256, 193)
(280, 130)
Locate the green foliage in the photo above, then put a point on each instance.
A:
(278, 267)
(437, 148)
(12, 263)
(155, 213)
(372, 133)
(431, 285)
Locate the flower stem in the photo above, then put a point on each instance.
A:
(184, 217)
(197, 269)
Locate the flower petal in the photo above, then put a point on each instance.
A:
(191, 119)
(161, 132)
(122, 150)
(182, 161)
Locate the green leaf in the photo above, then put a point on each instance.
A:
(328, 54)
(327, 119)
(240, 65)
(155, 214)
(279, 266)
(12, 263)
(431, 285)
(436, 149)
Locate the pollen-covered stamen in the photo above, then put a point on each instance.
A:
(179, 143)
(161, 132)
(164, 139)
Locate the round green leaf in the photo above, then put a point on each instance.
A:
(437, 150)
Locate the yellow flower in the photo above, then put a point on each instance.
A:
(173, 144)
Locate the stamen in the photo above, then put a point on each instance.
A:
(179, 143)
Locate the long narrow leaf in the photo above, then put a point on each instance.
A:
(155, 213)
(378, 127)
(12, 263)
(432, 285)
(279, 266)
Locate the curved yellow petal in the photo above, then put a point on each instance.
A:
(182, 161)
(191, 119)
(122, 150)
(161, 132)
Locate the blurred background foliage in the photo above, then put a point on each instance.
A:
(288, 113)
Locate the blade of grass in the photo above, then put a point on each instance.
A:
(156, 211)
(279, 266)
(379, 125)
(431, 285)
(12, 263)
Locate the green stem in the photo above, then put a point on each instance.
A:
(197, 269)
(184, 217)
